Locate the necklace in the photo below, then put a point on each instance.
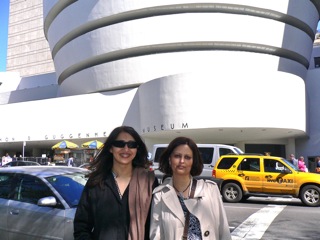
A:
(115, 180)
(114, 175)
(183, 190)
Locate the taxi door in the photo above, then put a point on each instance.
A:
(249, 171)
(276, 179)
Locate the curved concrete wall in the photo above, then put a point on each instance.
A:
(201, 100)
(107, 45)
(244, 53)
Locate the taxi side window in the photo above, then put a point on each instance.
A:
(227, 162)
(250, 164)
(271, 165)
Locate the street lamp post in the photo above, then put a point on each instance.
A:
(24, 144)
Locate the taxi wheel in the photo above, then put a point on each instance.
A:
(231, 192)
(310, 195)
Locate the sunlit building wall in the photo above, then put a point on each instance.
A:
(187, 57)
(235, 72)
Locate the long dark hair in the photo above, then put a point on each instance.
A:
(197, 164)
(103, 161)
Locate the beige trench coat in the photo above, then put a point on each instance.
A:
(167, 218)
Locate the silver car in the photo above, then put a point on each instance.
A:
(20, 163)
(39, 202)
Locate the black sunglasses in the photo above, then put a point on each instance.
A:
(122, 144)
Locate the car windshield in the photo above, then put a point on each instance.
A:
(69, 186)
(238, 150)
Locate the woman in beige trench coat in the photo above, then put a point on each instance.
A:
(171, 200)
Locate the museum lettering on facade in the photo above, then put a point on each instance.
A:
(162, 127)
(54, 137)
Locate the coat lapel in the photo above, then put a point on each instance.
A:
(171, 200)
(191, 203)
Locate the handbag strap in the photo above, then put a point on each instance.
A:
(186, 225)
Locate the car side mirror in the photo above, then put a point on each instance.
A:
(47, 202)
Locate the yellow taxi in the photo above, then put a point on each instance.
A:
(258, 175)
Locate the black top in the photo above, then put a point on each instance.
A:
(118, 214)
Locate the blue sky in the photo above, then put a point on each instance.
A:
(4, 11)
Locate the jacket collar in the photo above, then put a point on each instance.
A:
(167, 183)
(171, 200)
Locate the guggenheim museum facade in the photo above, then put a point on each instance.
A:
(238, 72)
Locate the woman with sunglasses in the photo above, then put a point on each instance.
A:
(115, 203)
(184, 207)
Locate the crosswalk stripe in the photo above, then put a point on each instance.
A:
(255, 226)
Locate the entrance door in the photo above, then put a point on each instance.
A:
(274, 149)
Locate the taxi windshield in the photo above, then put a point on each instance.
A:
(290, 164)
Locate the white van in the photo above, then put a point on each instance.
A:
(210, 153)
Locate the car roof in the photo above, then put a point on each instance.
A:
(199, 145)
(43, 171)
(249, 155)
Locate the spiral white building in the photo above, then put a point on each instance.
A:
(238, 72)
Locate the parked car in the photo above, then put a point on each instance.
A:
(258, 175)
(39, 202)
(210, 153)
(20, 163)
